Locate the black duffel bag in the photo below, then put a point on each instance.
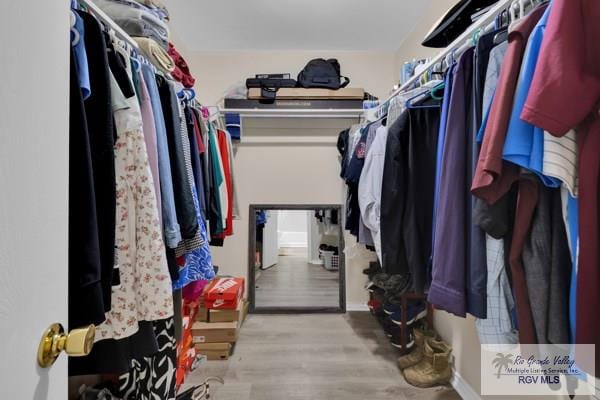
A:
(321, 73)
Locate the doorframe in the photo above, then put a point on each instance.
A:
(341, 309)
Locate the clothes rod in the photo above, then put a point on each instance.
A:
(458, 43)
(109, 21)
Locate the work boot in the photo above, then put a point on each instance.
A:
(434, 368)
(415, 356)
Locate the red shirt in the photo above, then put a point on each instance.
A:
(565, 94)
(224, 150)
(493, 176)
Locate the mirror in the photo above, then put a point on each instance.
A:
(296, 260)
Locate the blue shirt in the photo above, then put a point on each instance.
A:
(524, 143)
(170, 225)
(233, 123)
(81, 61)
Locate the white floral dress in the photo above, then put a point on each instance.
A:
(145, 290)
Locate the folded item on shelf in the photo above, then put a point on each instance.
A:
(120, 10)
(157, 7)
(157, 55)
(137, 27)
(181, 72)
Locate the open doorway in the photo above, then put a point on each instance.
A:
(296, 260)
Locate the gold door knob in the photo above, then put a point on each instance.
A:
(77, 343)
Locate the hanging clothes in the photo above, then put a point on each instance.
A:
(172, 231)
(86, 297)
(145, 290)
(100, 125)
(564, 94)
(370, 187)
(448, 288)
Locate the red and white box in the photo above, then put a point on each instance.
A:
(224, 293)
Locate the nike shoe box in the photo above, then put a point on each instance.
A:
(224, 293)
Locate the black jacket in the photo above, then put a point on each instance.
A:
(101, 129)
(86, 304)
(184, 202)
(407, 195)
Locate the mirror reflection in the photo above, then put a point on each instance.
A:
(298, 259)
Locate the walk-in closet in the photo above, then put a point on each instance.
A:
(304, 200)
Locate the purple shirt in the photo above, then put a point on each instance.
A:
(448, 289)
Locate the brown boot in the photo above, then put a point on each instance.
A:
(434, 368)
(415, 356)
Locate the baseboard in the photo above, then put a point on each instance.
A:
(463, 388)
(357, 307)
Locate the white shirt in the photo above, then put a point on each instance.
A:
(370, 186)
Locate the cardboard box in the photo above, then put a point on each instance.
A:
(302, 93)
(245, 310)
(216, 332)
(223, 315)
(202, 313)
(215, 351)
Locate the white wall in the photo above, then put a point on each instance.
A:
(293, 228)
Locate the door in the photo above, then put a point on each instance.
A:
(271, 240)
(34, 129)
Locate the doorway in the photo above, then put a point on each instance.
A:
(296, 262)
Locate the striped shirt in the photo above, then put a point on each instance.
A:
(560, 159)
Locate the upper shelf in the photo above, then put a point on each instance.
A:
(295, 113)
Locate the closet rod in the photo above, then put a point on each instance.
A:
(108, 21)
(457, 44)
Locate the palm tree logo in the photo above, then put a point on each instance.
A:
(502, 361)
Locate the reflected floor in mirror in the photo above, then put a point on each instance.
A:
(293, 282)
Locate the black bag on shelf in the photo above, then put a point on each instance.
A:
(269, 86)
(321, 73)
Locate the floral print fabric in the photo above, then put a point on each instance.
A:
(145, 291)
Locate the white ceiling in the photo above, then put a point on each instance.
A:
(351, 25)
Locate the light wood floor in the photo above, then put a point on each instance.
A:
(313, 357)
(293, 282)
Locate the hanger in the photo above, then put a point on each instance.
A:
(190, 94)
(475, 36)
(409, 103)
(501, 37)
(437, 88)
(74, 31)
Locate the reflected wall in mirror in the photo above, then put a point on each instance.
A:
(296, 260)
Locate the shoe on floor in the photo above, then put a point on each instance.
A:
(415, 356)
(396, 340)
(390, 308)
(389, 327)
(374, 268)
(434, 368)
(375, 306)
(415, 312)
